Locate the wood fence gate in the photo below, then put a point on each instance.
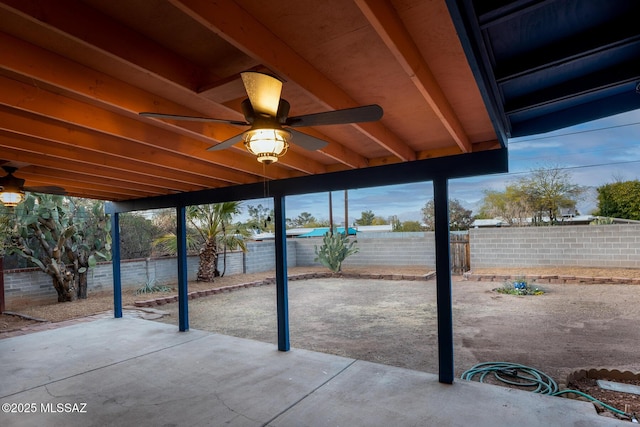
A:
(460, 253)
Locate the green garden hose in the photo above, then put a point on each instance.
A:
(525, 376)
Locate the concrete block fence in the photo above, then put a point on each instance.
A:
(612, 246)
(412, 249)
(30, 285)
(588, 246)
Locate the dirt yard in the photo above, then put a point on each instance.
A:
(394, 322)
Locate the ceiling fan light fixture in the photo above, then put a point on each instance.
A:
(11, 197)
(267, 144)
(11, 190)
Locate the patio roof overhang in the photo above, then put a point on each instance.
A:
(456, 79)
(75, 74)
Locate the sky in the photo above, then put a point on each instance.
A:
(594, 154)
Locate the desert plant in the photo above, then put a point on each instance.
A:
(335, 248)
(519, 286)
(150, 288)
(602, 220)
(213, 224)
(64, 237)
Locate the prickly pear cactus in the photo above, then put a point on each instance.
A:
(336, 247)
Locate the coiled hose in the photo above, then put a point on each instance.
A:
(525, 376)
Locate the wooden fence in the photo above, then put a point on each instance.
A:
(460, 253)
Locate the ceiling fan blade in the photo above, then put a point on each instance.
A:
(48, 189)
(192, 118)
(226, 144)
(307, 142)
(367, 113)
(263, 91)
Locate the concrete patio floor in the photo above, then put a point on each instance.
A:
(136, 372)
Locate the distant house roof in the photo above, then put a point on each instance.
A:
(374, 228)
(319, 232)
(494, 222)
(566, 220)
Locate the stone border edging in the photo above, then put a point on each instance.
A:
(552, 279)
(595, 373)
(272, 280)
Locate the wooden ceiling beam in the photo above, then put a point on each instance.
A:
(87, 147)
(234, 24)
(74, 190)
(89, 181)
(133, 138)
(167, 178)
(15, 149)
(37, 177)
(385, 20)
(136, 48)
(101, 90)
(54, 24)
(339, 152)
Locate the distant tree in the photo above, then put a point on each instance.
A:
(540, 196)
(165, 220)
(302, 220)
(366, 218)
(407, 226)
(546, 191)
(137, 234)
(459, 217)
(378, 220)
(619, 200)
(509, 205)
(260, 218)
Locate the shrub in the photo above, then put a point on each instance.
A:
(150, 288)
(519, 286)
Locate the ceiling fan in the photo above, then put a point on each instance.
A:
(270, 126)
(12, 188)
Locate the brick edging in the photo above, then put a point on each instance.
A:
(595, 373)
(553, 279)
(272, 280)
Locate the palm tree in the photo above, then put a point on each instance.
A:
(213, 224)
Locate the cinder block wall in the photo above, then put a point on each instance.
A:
(412, 249)
(234, 263)
(26, 285)
(593, 246)
(587, 246)
(261, 256)
(30, 285)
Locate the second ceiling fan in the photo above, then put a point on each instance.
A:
(267, 114)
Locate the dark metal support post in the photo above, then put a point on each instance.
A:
(443, 280)
(282, 297)
(115, 265)
(183, 296)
